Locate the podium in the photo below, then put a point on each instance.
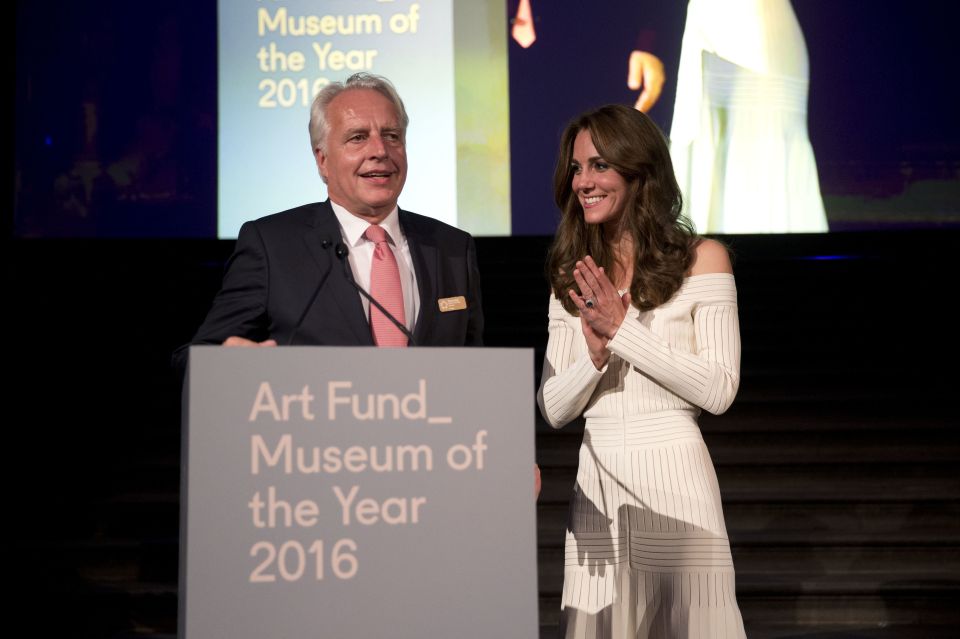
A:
(358, 492)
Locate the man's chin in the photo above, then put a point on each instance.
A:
(378, 207)
(378, 197)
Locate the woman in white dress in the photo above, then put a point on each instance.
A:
(643, 334)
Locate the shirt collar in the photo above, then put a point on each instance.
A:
(353, 227)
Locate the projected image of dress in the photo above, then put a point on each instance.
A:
(739, 135)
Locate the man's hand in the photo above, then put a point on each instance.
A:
(645, 70)
(243, 342)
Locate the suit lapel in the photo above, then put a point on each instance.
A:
(426, 264)
(321, 241)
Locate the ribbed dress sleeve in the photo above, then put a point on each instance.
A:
(568, 380)
(707, 377)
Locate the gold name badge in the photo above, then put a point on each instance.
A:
(457, 303)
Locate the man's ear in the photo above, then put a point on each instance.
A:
(321, 160)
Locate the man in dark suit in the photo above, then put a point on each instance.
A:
(289, 278)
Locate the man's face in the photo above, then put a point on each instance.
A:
(365, 161)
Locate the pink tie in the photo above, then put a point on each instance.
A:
(385, 288)
(523, 31)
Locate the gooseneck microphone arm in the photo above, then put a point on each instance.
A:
(342, 252)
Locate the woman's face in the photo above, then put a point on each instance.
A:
(602, 191)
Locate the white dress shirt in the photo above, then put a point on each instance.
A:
(352, 229)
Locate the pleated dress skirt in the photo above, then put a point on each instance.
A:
(646, 551)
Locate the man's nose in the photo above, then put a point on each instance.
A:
(375, 147)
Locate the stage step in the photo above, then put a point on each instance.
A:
(808, 482)
(931, 523)
(886, 616)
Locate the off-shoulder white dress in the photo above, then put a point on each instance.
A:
(646, 551)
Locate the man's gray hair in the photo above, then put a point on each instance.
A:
(320, 126)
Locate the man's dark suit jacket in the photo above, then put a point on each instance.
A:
(285, 267)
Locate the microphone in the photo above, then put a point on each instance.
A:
(342, 252)
(313, 298)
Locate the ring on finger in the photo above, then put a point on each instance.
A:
(589, 303)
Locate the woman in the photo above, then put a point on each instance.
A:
(643, 334)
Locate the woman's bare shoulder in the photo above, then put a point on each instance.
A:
(710, 256)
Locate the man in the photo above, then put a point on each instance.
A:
(289, 278)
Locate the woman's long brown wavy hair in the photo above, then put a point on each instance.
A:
(663, 239)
